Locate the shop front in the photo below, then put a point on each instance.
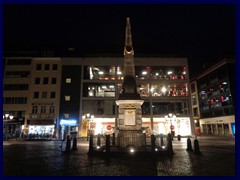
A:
(12, 128)
(68, 127)
(179, 126)
(219, 126)
(41, 129)
(97, 126)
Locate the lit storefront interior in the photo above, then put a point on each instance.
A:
(41, 130)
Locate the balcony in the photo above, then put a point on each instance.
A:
(42, 115)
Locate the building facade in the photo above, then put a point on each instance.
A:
(31, 94)
(212, 93)
(163, 84)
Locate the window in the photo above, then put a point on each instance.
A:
(54, 67)
(67, 98)
(34, 109)
(195, 112)
(46, 67)
(98, 90)
(17, 74)
(178, 89)
(143, 89)
(99, 72)
(66, 116)
(53, 95)
(36, 95)
(15, 100)
(37, 80)
(162, 108)
(194, 100)
(146, 108)
(11, 87)
(39, 67)
(106, 107)
(193, 87)
(44, 95)
(68, 80)
(51, 109)
(43, 109)
(54, 80)
(45, 80)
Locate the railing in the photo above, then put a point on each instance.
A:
(145, 141)
(42, 115)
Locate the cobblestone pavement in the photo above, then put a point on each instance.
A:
(46, 158)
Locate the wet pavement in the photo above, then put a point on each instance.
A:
(46, 158)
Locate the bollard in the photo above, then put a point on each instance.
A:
(88, 132)
(169, 144)
(98, 140)
(189, 145)
(113, 141)
(90, 144)
(68, 144)
(153, 139)
(74, 147)
(107, 144)
(196, 146)
(179, 137)
(161, 140)
(144, 139)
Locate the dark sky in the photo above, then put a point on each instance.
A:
(202, 33)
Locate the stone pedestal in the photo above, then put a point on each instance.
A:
(130, 123)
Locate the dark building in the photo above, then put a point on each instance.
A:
(70, 98)
(213, 95)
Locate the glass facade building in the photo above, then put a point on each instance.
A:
(163, 84)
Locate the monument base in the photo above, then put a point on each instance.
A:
(128, 138)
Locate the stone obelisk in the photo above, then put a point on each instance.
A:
(129, 102)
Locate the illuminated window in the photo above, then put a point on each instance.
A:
(66, 116)
(68, 80)
(194, 100)
(67, 98)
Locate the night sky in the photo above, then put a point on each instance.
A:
(202, 33)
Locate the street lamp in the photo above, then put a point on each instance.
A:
(196, 127)
(7, 118)
(88, 117)
(170, 117)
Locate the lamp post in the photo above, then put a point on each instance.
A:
(170, 117)
(88, 117)
(7, 118)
